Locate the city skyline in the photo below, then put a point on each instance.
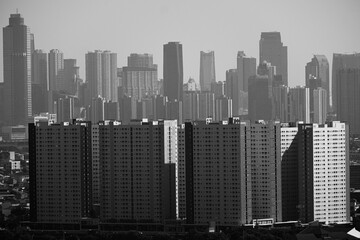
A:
(237, 30)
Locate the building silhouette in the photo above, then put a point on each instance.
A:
(56, 70)
(319, 68)
(347, 97)
(207, 70)
(17, 71)
(341, 61)
(173, 71)
(273, 51)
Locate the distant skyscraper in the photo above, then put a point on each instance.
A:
(56, 70)
(341, 61)
(319, 68)
(320, 105)
(246, 67)
(299, 104)
(173, 71)
(281, 103)
(190, 85)
(348, 97)
(40, 83)
(272, 50)
(71, 76)
(140, 77)
(260, 98)
(207, 70)
(101, 74)
(17, 71)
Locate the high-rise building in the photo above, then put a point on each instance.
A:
(223, 108)
(139, 78)
(348, 98)
(281, 103)
(56, 70)
(232, 172)
(17, 71)
(60, 169)
(238, 97)
(319, 68)
(299, 104)
(246, 67)
(260, 98)
(138, 170)
(315, 168)
(207, 70)
(101, 74)
(320, 105)
(71, 76)
(341, 61)
(40, 83)
(218, 89)
(272, 50)
(173, 71)
(190, 85)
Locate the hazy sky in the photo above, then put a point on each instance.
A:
(143, 26)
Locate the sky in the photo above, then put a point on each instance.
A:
(75, 27)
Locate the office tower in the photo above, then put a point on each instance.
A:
(320, 105)
(223, 108)
(260, 98)
(127, 109)
(40, 84)
(2, 106)
(272, 50)
(265, 170)
(217, 186)
(190, 85)
(40, 69)
(246, 67)
(140, 60)
(71, 76)
(348, 98)
(65, 109)
(281, 103)
(207, 70)
(206, 105)
(181, 172)
(174, 111)
(190, 106)
(319, 68)
(101, 74)
(312, 83)
(111, 110)
(319, 187)
(109, 75)
(139, 78)
(299, 104)
(239, 97)
(160, 106)
(173, 71)
(218, 89)
(341, 61)
(60, 170)
(96, 112)
(138, 170)
(17, 71)
(56, 70)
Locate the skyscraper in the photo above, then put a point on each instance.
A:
(60, 172)
(140, 76)
(71, 76)
(207, 70)
(341, 61)
(299, 104)
(272, 50)
(56, 70)
(260, 98)
(348, 97)
(246, 67)
(40, 83)
(315, 168)
(173, 71)
(17, 71)
(101, 74)
(320, 105)
(319, 68)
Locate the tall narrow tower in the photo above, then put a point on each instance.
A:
(207, 70)
(17, 71)
(272, 50)
(173, 71)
